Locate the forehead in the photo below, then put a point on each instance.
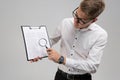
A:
(81, 14)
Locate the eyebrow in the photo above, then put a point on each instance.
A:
(79, 17)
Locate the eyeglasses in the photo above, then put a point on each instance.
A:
(79, 20)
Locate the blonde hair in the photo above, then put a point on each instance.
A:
(92, 8)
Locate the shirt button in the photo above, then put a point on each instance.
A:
(76, 38)
(73, 46)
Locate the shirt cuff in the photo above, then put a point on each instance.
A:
(69, 62)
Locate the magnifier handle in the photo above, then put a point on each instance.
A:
(46, 47)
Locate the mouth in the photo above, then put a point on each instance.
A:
(76, 25)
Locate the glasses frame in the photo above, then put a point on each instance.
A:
(79, 20)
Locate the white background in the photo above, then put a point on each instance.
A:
(14, 13)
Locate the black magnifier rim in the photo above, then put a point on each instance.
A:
(44, 40)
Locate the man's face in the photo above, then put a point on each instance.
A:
(80, 19)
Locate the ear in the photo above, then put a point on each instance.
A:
(94, 20)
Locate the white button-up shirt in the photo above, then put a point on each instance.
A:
(83, 48)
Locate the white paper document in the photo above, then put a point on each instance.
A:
(36, 41)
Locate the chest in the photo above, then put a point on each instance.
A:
(80, 41)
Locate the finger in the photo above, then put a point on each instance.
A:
(31, 61)
(50, 57)
(34, 60)
(39, 58)
(49, 53)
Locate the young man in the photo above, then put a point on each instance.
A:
(82, 43)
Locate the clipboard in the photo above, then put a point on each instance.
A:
(36, 40)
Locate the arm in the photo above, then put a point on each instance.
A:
(56, 35)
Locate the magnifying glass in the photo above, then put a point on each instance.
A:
(43, 42)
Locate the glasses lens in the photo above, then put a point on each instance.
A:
(42, 42)
(74, 15)
(79, 20)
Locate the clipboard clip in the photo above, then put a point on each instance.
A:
(37, 27)
(34, 27)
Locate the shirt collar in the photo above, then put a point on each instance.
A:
(89, 28)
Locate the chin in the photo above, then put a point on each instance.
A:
(77, 27)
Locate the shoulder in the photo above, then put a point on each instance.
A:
(67, 20)
(98, 29)
(65, 24)
(98, 33)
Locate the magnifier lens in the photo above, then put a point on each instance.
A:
(42, 42)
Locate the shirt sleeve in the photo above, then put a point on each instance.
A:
(56, 35)
(92, 62)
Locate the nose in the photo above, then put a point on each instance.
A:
(75, 20)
